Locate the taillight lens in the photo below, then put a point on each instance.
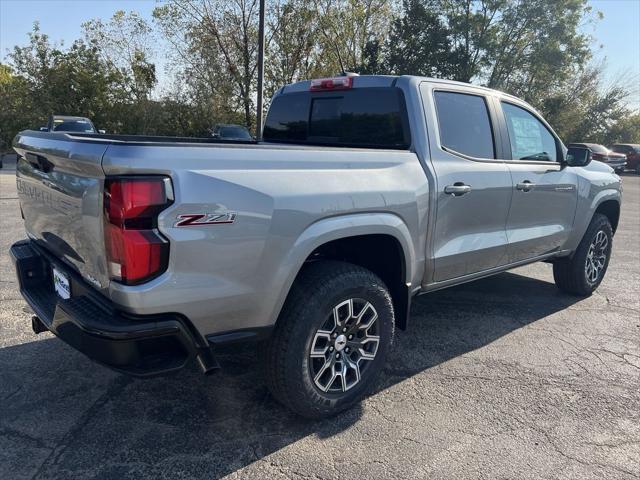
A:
(136, 251)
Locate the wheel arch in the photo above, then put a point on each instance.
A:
(359, 239)
(611, 210)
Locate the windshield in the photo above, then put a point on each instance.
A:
(74, 126)
(234, 132)
(366, 117)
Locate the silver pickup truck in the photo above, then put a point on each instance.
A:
(145, 252)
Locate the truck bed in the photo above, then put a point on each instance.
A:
(277, 191)
(35, 136)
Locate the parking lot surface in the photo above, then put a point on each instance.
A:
(502, 378)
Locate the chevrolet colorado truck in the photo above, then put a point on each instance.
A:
(147, 252)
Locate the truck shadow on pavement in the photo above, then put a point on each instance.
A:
(64, 417)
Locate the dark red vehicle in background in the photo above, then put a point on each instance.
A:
(617, 161)
(632, 151)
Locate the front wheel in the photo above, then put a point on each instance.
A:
(583, 273)
(331, 339)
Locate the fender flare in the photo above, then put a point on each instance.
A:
(601, 197)
(585, 216)
(335, 228)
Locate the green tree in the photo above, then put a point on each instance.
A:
(537, 46)
(534, 49)
(17, 112)
(216, 41)
(419, 43)
(72, 82)
(372, 59)
(624, 130)
(583, 108)
(346, 27)
(292, 52)
(123, 44)
(474, 26)
(524, 47)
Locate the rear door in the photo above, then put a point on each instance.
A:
(473, 185)
(544, 191)
(60, 185)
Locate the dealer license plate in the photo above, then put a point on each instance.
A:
(61, 284)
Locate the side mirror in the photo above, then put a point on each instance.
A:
(102, 131)
(43, 129)
(578, 157)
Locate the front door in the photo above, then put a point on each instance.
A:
(473, 187)
(545, 193)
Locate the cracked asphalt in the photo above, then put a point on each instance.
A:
(502, 378)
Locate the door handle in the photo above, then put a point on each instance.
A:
(525, 186)
(457, 189)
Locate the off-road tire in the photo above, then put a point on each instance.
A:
(569, 273)
(320, 286)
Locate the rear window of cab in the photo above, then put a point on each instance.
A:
(373, 117)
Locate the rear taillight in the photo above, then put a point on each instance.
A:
(330, 84)
(136, 251)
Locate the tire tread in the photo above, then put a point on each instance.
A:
(316, 277)
(568, 273)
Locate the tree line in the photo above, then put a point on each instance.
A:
(534, 49)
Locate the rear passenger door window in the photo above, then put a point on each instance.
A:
(464, 124)
(529, 137)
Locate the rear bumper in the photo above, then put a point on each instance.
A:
(136, 345)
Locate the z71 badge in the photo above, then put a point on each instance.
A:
(197, 219)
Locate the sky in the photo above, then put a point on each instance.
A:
(617, 35)
(60, 19)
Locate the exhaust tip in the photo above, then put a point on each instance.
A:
(37, 325)
(207, 361)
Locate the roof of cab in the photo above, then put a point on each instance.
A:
(360, 81)
(365, 81)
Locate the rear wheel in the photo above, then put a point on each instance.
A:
(331, 340)
(582, 274)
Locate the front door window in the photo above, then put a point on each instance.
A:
(529, 138)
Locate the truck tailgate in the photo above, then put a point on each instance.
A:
(60, 184)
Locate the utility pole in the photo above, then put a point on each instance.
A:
(260, 72)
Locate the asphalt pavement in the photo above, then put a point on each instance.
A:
(502, 378)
